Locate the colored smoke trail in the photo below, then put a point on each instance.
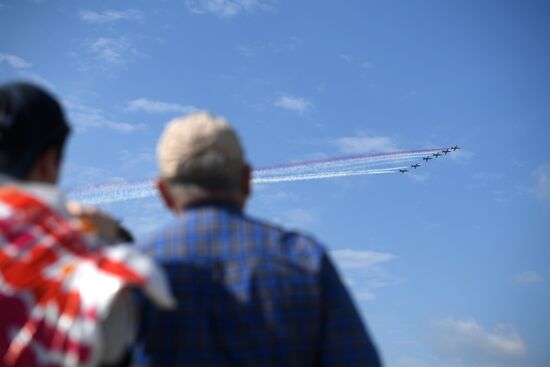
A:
(390, 156)
(358, 165)
(319, 176)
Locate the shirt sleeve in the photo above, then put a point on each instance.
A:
(119, 329)
(344, 337)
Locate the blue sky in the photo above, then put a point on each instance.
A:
(450, 264)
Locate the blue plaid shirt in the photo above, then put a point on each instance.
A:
(250, 294)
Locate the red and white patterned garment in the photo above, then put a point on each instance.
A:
(57, 283)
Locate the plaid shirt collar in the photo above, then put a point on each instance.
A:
(228, 205)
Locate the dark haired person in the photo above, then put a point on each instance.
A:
(65, 297)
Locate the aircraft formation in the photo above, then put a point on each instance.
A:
(433, 156)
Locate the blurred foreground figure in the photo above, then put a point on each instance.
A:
(64, 294)
(249, 293)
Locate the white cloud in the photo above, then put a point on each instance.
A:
(296, 104)
(542, 185)
(367, 65)
(247, 51)
(365, 295)
(418, 177)
(365, 144)
(299, 218)
(151, 106)
(347, 58)
(37, 79)
(143, 158)
(227, 8)
(466, 343)
(86, 118)
(113, 51)
(412, 361)
(251, 50)
(461, 156)
(22, 69)
(14, 61)
(350, 59)
(362, 271)
(292, 44)
(107, 16)
(527, 277)
(77, 175)
(354, 259)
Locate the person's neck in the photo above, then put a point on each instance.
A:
(230, 201)
(45, 191)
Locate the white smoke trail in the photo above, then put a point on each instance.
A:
(120, 192)
(300, 171)
(317, 176)
(341, 163)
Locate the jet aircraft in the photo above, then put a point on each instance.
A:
(437, 154)
(402, 170)
(427, 158)
(415, 166)
(455, 148)
(446, 151)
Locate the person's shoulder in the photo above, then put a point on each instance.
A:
(156, 242)
(286, 234)
(293, 244)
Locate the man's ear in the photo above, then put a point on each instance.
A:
(246, 183)
(162, 187)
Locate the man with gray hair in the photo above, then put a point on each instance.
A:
(249, 293)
